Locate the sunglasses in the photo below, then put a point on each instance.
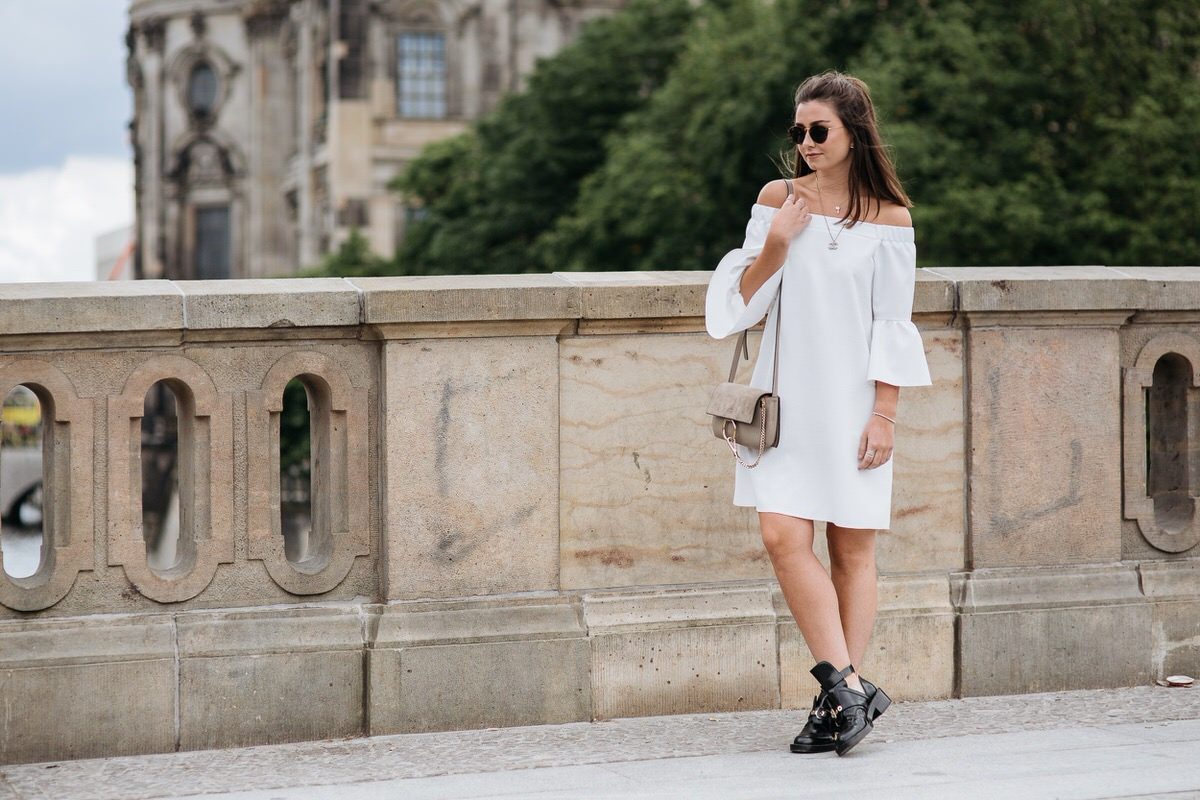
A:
(817, 132)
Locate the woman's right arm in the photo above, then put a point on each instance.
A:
(734, 302)
(791, 218)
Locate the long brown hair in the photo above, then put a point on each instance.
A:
(872, 175)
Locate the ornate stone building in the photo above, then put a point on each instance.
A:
(265, 130)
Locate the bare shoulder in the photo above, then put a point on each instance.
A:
(773, 193)
(893, 214)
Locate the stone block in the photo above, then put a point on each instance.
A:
(1164, 288)
(1042, 288)
(478, 664)
(1173, 587)
(92, 307)
(471, 448)
(934, 293)
(1045, 446)
(647, 490)
(273, 303)
(639, 295)
(454, 298)
(264, 677)
(680, 652)
(86, 688)
(911, 651)
(1051, 629)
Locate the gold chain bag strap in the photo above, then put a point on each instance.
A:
(747, 415)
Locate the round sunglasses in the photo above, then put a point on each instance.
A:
(818, 133)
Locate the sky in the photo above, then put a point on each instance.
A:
(66, 167)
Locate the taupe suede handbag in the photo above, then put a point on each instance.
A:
(747, 415)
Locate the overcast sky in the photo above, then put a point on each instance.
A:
(66, 168)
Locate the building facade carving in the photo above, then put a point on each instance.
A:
(264, 131)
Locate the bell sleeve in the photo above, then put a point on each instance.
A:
(725, 311)
(897, 353)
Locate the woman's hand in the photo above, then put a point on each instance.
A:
(875, 444)
(791, 218)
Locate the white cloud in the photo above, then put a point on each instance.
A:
(49, 218)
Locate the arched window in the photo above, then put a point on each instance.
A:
(202, 89)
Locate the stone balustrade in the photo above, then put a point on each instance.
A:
(521, 516)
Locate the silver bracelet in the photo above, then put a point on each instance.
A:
(885, 416)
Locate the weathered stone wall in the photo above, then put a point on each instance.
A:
(527, 519)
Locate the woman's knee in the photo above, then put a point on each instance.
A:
(851, 549)
(783, 534)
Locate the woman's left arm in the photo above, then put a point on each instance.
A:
(897, 355)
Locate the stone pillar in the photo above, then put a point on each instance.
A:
(1044, 476)
(150, 232)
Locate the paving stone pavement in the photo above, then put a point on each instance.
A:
(1105, 725)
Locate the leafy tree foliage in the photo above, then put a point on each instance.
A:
(493, 191)
(354, 259)
(1031, 132)
(1046, 132)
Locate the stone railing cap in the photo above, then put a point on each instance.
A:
(270, 303)
(75, 307)
(153, 305)
(456, 298)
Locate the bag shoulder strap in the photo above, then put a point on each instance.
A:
(741, 348)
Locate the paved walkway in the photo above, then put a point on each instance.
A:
(1126, 743)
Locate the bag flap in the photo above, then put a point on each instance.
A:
(735, 401)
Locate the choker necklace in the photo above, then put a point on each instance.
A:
(833, 245)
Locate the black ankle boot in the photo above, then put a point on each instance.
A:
(818, 734)
(877, 701)
(854, 710)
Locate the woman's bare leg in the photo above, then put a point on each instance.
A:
(852, 568)
(807, 587)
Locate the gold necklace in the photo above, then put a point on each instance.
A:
(832, 239)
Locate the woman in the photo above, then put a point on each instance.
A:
(841, 234)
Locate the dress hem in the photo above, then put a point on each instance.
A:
(813, 518)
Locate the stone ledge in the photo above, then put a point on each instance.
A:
(1006, 589)
(1175, 579)
(288, 631)
(458, 298)
(460, 622)
(270, 303)
(289, 303)
(641, 610)
(72, 307)
(86, 640)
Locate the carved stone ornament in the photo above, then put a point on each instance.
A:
(67, 523)
(205, 480)
(340, 483)
(1166, 515)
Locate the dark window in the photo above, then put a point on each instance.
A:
(212, 243)
(421, 74)
(202, 89)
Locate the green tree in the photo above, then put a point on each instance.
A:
(1046, 132)
(676, 188)
(1032, 132)
(490, 193)
(353, 259)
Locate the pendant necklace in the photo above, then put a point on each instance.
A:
(833, 245)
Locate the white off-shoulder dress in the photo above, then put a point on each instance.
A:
(847, 323)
